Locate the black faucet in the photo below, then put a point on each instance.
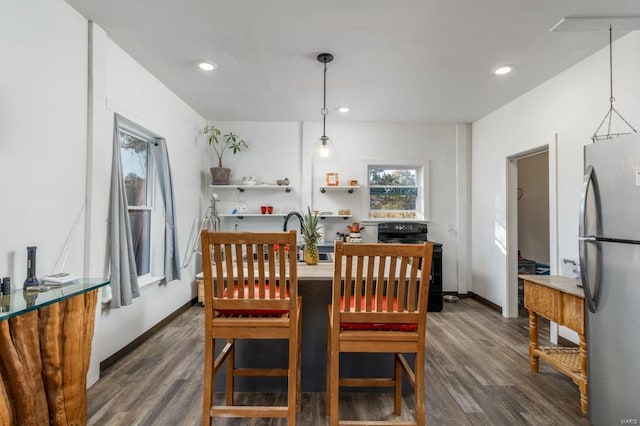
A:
(286, 220)
(284, 227)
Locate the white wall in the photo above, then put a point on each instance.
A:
(278, 150)
(572, 105)
(43, 109)
(274, 153)
(533, 207)
(51, 159)
(131, 91)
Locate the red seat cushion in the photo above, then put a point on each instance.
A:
(374, 326)
(254, 312)
(371, 326)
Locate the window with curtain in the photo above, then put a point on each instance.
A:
(143, 240)
(395, 192)
(146, 215)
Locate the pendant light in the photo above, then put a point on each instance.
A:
(324, 147)
(609, 115)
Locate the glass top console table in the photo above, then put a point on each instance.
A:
(45, 348)
(20, 301)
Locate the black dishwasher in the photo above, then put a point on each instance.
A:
(412, 233)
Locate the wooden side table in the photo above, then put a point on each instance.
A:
(558, 299)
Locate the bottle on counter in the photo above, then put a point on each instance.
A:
(5, 285)
(5, 298)
(31, 268)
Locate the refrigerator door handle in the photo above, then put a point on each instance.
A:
(589, 296)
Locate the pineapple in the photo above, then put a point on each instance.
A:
(310, 236)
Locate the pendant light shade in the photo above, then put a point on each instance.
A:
(324, 147)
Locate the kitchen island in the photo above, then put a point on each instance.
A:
(45, 348)
(314, 286)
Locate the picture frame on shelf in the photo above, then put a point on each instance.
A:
(332, 179)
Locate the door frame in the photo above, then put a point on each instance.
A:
(510, 306)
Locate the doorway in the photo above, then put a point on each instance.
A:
(531, 225)
(533, 219)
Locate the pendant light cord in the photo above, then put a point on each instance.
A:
(609, 115)
(324, 102)
(611, 98)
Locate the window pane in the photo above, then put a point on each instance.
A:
(135, 166)
(140, 232)
(394, 177)
(392, 202)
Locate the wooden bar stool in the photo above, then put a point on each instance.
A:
(251, 292)
(379, 304)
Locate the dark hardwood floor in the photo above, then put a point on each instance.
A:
(477, 374)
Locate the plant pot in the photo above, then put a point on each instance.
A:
(220, 175)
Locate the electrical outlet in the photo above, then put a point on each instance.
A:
(570, 268)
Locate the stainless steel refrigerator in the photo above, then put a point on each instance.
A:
(609, 246)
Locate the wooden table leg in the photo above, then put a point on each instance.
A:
(584, 400)
(45, 358)
(534, 362)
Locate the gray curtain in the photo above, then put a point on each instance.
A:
(124, 277)
(171, 253)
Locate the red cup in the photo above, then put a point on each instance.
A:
(263, 209)
(269, 209)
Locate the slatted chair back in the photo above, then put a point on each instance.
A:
(383, 284)
(249, 272)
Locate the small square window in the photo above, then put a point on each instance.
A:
(394, 192)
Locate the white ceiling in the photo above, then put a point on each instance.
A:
(395, 60)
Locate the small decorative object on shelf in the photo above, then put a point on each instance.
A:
(332, 179)
(353, 182)
(283, 182)
(221, 143)
(31, 268)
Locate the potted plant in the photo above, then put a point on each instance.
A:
(310, 235)
(220, 144)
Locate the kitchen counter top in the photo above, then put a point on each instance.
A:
(320, 272)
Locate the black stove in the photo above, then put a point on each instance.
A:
(415, 233)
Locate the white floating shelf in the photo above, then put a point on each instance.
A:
(242, 188)
(334, 216)
(348, 188)
(243, 215)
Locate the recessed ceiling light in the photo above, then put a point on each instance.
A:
(502, 70)
(207, 66)
(344, 109)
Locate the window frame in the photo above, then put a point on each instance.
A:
(155, 255)
(422, 169)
